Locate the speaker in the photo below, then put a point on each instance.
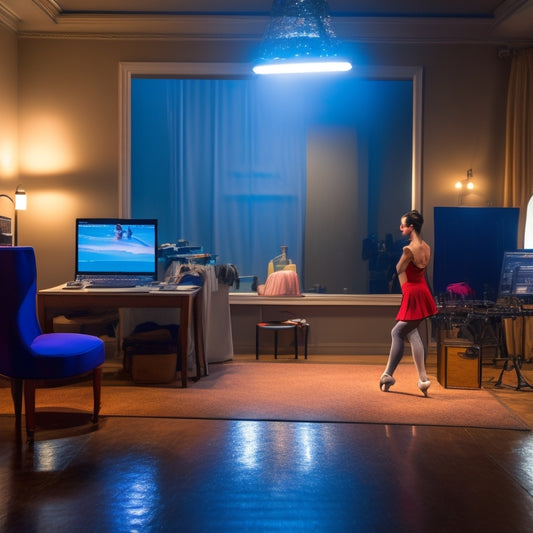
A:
(458, 365)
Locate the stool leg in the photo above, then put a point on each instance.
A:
(306, 337)
(275, 344)
(296, 342)
(257, 342)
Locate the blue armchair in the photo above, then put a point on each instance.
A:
(29, 358)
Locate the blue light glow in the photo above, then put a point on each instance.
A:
(303, 67)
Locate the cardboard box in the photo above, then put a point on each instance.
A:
(153, 368)
(459, 365)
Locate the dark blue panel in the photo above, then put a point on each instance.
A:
(469, 246)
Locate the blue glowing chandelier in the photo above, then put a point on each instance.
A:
(300, 39)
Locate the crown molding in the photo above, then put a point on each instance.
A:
(251, 28)
(51, 8)
(8, 18)
(61, 24)
(170, 37)
(509, 8)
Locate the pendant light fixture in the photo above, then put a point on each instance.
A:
(299, 39)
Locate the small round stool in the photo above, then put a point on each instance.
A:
(279, 326)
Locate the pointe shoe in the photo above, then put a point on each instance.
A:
(424, 386)
(386, 382)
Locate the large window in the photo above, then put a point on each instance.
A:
(528, 233)
(244, 165)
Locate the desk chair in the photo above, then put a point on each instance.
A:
(29, 358)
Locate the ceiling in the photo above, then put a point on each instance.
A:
(507, 22)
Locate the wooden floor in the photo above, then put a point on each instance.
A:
(147, 474)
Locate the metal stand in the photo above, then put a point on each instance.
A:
(516, 362)
(516, 365)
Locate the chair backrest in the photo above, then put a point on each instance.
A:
(18, 315)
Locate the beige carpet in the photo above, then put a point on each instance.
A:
(289, 391)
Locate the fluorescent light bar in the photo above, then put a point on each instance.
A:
(302, 67)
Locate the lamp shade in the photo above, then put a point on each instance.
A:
(300, 38)
(20, 199)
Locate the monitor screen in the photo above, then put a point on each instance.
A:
(517, 274)
(114, 246)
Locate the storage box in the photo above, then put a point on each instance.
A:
(153, 368)
(458, 364)
(112, 347)
(151, 353)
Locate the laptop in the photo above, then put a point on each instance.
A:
(116, 252)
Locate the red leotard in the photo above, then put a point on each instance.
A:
(417, 300)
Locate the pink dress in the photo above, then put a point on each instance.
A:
(417, 300)
(280, 283)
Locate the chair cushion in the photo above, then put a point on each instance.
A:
(59, 355)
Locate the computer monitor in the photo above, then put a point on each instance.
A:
(119, 247)
(517, 274)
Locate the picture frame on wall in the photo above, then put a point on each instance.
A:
(6, 232)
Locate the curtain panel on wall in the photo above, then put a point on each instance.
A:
(223, 165)
(518, 187)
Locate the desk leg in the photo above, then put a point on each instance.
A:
(198, 325)
(185, 313)
(46, 321)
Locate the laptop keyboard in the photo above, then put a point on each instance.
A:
(112, 283)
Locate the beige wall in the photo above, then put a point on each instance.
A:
(8, 118)
(68, 126)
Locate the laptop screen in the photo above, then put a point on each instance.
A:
(517, 274)
(116, 247)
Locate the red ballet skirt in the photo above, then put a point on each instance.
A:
(417, 300)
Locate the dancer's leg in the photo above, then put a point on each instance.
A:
(399, 332)
(418, 352)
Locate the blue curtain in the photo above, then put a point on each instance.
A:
(221, 163)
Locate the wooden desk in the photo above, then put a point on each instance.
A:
(57, 301)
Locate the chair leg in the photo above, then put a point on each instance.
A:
(16, 394)
(257, 342)
(97, 389)
(29, 405)
(296, 342)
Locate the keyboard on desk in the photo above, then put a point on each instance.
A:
(112, 283)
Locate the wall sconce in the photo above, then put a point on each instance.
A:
(466, 184)
(20, 204)
(299, 39)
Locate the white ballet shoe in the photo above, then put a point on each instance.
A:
(424, 386)
(386, 382)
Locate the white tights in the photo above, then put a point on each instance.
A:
(401, 331)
